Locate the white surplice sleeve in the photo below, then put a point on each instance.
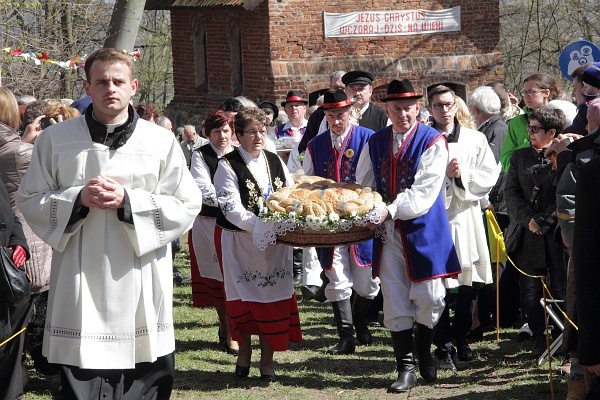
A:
(201, 174)
(479, 176)
(163, 196)
(164, 212)
(46, 205)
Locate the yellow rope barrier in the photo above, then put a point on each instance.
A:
(12, 337)
(499, 236)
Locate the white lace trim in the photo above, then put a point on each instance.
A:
(269, 227)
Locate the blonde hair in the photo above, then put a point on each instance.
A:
(54, 110)
(463, 115)
(9, 109)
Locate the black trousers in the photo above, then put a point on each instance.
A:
(148, 381)
(445, 330)
(11, 371)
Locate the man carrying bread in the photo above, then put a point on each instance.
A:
(406, 163)
(334, 154)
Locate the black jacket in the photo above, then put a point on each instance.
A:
(586, 253)
(530, 193)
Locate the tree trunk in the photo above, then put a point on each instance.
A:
(124, 24)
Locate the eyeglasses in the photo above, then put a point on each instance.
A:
(255, 132)
(530, 92)
(535, 129)
(445, 106)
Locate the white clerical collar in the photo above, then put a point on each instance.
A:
(110, 128)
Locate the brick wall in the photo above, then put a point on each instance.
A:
(284, 48)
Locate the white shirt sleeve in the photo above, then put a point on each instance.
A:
(228, 196)
(429, 178)
(201, 174)
(307, 164)
(364, 168)
(294, 164)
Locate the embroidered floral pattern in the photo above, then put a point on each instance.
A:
(278, 184)
(263, 280)
(209, 196)
(253, 195)
(227, 201)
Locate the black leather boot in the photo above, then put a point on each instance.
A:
(298, 267)
(427, 367)
(342, 312)
(405, 362)
(320, 294)
(360, 309)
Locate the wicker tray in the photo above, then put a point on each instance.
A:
(324, 238)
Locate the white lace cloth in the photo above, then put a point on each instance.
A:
(266, 230)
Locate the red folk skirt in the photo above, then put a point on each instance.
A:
(278, 322)
(206, 292)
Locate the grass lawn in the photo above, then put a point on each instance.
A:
(501, 371)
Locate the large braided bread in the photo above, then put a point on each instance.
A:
(316, 196)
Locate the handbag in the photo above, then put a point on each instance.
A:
(513, 237)
(15, 285)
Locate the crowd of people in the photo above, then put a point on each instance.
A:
(96, 194)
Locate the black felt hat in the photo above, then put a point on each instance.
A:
(401, 90)
(359, 77)
(294, 95)
(334, 99)
(271, 106)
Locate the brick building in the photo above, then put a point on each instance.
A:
(263, 48)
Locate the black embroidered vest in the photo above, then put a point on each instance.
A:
(249, 189)
(212, 161)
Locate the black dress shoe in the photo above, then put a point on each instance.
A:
(229, 350)
(309, 291)
(267, 378)
(464, 352)
(364, 338)
(242, 372)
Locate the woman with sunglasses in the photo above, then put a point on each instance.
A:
(531, 201)
(538, 90)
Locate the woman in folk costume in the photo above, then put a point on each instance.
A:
(207, 279)
(258, 284)
(334, 154)
(470, 174)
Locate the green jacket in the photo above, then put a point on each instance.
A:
(516, 138)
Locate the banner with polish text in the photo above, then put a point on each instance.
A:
(391, 23)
